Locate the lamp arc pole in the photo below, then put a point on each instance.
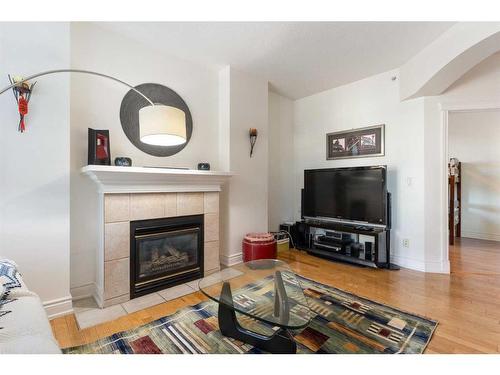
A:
(48, 72)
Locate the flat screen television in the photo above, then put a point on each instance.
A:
(354, 194)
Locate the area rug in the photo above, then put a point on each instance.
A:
(341, 323)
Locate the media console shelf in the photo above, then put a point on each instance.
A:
(366, 246)
(347, 215)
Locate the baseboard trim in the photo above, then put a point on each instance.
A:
(413, 264)
(59, 307)
(481, 236)
(418, 265)
(231, 260)
(84, 291)
(437, 267)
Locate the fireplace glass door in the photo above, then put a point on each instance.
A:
(168, 252)
(165, 252)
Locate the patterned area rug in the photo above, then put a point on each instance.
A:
(342, 323)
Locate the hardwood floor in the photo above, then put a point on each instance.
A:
(471, 256)
(466, 303)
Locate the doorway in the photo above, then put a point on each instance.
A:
(473, 139)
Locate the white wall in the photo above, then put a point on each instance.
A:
(34, 166)
(473, 139)
(95, 102)
(246, 197)
(281, 160)
(371, 101)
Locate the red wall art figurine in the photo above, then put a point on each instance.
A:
(22, 93)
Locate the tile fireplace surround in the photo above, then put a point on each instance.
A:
(127, 194)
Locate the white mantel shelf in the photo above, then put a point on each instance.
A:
(111, 179)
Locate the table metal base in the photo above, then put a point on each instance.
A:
(281, 342)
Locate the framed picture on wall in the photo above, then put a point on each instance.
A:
(356, 143)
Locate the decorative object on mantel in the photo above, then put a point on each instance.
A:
(99, 147)
(122, 161)
(133, 115)
(204, 166)
(362, 142)
(22, 90)
(253, 138)
(164, 119)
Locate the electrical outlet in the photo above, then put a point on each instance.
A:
(406, 242)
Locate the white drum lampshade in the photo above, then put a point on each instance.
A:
(162, 125)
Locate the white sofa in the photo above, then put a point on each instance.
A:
(24, 327)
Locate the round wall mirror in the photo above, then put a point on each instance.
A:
(129, 116)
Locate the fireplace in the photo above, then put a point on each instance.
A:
(164, 253)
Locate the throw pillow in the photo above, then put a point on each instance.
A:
(9, 276)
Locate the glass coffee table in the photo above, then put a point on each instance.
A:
(266, 290)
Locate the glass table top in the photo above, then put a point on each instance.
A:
(266, 290)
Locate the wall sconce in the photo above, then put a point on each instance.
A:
(253, 139)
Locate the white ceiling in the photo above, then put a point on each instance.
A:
(297, 58)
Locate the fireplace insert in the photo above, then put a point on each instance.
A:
(164, 253)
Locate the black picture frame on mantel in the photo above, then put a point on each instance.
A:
(99, 148)
(356, 143)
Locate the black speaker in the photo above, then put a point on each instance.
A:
(299, 234)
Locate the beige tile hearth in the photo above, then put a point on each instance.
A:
(194, 284)
(143, 302)
(116, 300)
(88, 314)
(92, 317)
(176, 292)
(84, 304)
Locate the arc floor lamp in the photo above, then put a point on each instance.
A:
(159, 124)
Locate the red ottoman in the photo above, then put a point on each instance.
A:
(259, 246)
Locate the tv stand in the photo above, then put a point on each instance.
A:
(354, 243)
